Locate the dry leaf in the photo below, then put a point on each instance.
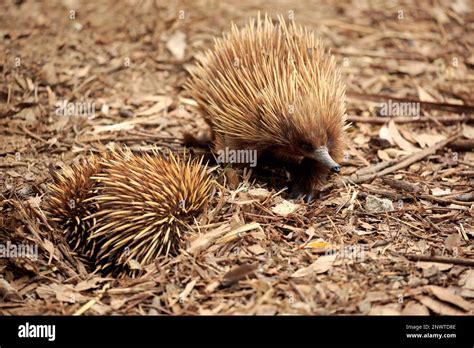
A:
(210, 288)
(321, 265)
(461, 6)
(413, 68)
(49, 246)
(318, 245)
(237, 232)
(62, 292)
(163, 103)
(50, 74)
(238, 273)
(422, 245)
(384, 134)
(469, 281)
(187, 290)
(390, 309)
(89, 284)
(439, 266)
(177, 45)
(285, 208)
(452, 241)
(438, 307)
(35, 202)
(205, 240)
(256, 249)
(440, 15)
(13, 173)
(384, 156)
(361, 139)
(415, 308)
(134, 264)
(425, 139)
(130, 124)
(468, 131)
(260, 193)
(425, 96)
(7, 291)
(232, 178)
(391, 153)
(440, 192)
(449, 295)
(467, 293)
(469, 156)
(399, 140)
(378, 205)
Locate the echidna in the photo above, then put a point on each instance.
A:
(144, 202)
(133, 208)
(274, 88)
(67, 204)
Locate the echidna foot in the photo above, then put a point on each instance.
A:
(297, 193)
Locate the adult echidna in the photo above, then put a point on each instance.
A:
(144, 203)
(128, 208)
(67, 204)
(274, 88)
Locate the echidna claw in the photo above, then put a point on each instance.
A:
(297, 194)
(309, 198)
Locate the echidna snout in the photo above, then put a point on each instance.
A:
(322, 155)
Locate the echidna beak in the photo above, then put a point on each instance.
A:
(322, 155)
(336, 168)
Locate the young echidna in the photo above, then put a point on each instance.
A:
(273, 88)
(67, 204)
(144, 202)
(129, 209)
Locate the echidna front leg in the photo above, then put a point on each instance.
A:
(218, 142)
(306, 177)
(202, 139)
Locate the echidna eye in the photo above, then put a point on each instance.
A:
(306, 147)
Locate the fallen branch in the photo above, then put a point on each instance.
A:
(401, 185)
(445, 200)
(440, 259)
(462, 145)
(13, 164)
(33, 135)
(428, 105)
(403, 163)
(407, 119)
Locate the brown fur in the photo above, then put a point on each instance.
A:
(273, 87)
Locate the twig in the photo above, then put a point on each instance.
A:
(440, 259)
(405, 162)
(13, 164)
(401, 185)
(387, 55)
(445, 200)
(375, 168)
(417, 156)
(407, 119)
(462, 145)
(398, 196)
(427, 105)
(33, 135)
